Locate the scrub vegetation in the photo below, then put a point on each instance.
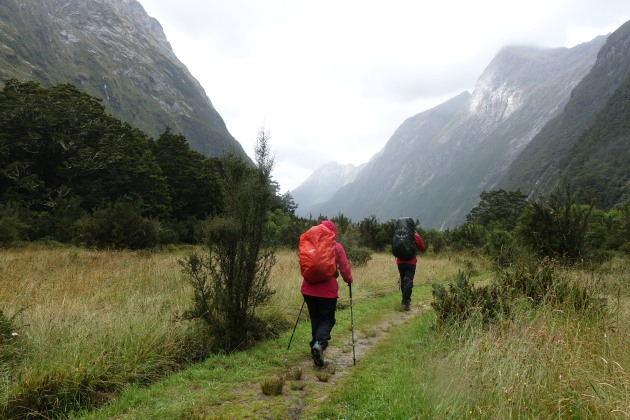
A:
(93, 326)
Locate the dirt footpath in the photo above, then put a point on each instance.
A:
(315, 384)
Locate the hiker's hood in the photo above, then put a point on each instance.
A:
(330, 225)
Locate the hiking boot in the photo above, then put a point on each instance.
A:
(404, 306)
(318, 354)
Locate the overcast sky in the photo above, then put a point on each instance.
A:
(332, 80)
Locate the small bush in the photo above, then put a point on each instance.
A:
(358, 256)
(460, 301)
(323, 375)
(118, 226)
(541, 284)
(12, 228)
(294, 374)
(272, 386)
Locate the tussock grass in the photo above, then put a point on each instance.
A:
(272, 386)
(545, 362)
(97, 321)
(94, 321)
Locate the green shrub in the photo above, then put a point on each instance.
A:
(12, 228)
(230, 280)
(502, 247)
(556, 229)
(461, 301)
(120, 225)
(359, 256)
(541, 284)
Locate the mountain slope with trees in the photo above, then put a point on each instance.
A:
(72, 173)
(113, 50)
(595, 118)
(598, 166)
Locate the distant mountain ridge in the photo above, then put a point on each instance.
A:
(437, 163)
(112, 50)
(322, 184)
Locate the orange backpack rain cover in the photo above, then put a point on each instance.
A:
(317, 254)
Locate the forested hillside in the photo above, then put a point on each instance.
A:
(114, 51)
(72, 173)
(598, 166)
(594, 115)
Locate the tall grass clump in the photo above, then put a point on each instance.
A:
(460, 301)
(561, 353)
(9, 339)
(89, 324)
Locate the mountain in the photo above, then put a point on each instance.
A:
(592, 127)
(113, 50)
(436, 163)
(322, 184)
(598, 165)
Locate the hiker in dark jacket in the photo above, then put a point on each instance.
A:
(407, 271)
(321, 299)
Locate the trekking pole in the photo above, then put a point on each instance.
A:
(296, 322)
(354, 359)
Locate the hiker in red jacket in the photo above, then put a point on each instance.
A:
(321, 299)
(407, 271)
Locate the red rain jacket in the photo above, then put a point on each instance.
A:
(330, 288)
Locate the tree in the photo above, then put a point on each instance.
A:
(288, 204)
(193, 183)
(62, 156)
(369, 229)
(557, 228)
(498, 207)
(231, 279)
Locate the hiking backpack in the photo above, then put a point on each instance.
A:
(404, 243)
(317, 254)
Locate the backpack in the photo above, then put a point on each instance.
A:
(318, 261)
(404, 243)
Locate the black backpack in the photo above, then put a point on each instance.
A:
(404, 243)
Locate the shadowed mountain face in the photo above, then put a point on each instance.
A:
(113, 50)
(436, 164)
(582, 144)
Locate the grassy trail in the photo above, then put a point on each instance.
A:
(230, 386)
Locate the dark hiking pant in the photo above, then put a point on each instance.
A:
(322, 313)
(407, 272)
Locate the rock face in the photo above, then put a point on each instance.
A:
(436, 163)
(113, 50)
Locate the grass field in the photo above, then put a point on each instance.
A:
(92, 323)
